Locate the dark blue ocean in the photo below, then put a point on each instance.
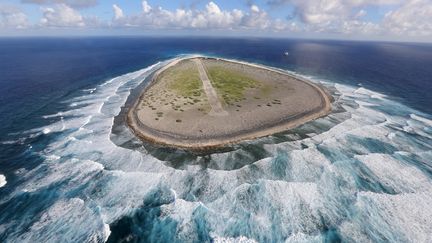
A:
(71, 171)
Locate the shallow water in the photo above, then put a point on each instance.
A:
(363, 173)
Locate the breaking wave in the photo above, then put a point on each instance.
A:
(2, 180)
(363, 173)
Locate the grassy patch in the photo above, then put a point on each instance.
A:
(231, 85)
(184, 80)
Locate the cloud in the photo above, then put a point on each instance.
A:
(335, 2)
(407, 18)
(12, 17)
(71, 3)
(146, 7)
(254, 8)
(412, 18)
(334, 16)
(211, 17)
(61, 15)
(328, 12)
(118, 12)
(360, 14)
(259, 19)
(311, 16)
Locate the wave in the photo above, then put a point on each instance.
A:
(2, 180)
(358, 174)
(427, 122)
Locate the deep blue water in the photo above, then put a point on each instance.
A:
(37, 72)
(45, 76)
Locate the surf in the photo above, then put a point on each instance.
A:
(327, 179)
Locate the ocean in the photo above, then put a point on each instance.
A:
(71, 171)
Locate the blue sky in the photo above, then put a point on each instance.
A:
(404, 20)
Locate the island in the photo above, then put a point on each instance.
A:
(200, 103)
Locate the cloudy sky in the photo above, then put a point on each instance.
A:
(399, 20)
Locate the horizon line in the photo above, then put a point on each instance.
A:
(186, 36)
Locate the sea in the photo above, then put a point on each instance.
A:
(71, 170)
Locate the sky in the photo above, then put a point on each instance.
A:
(394, 20)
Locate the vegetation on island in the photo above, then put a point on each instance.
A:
(231, 85)
(184, 80)
(179, 88)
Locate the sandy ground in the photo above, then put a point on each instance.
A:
(286, 103)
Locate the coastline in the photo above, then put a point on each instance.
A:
(216, 141)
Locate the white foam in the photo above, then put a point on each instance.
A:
(107, 232)
(370, 93)
(426, 121)
(53, 157)
(53, 115)
(117, 202)
(182, 212)
(2, 180)
(78, 172)
(300, 237)
(404, 217)
(53, 226)
(46, 130)
(12, 141)
(240, 239)
(304, 165)
(90, 90)
(175, 194)
(296, 206)
(392, 173)
(419, 125)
